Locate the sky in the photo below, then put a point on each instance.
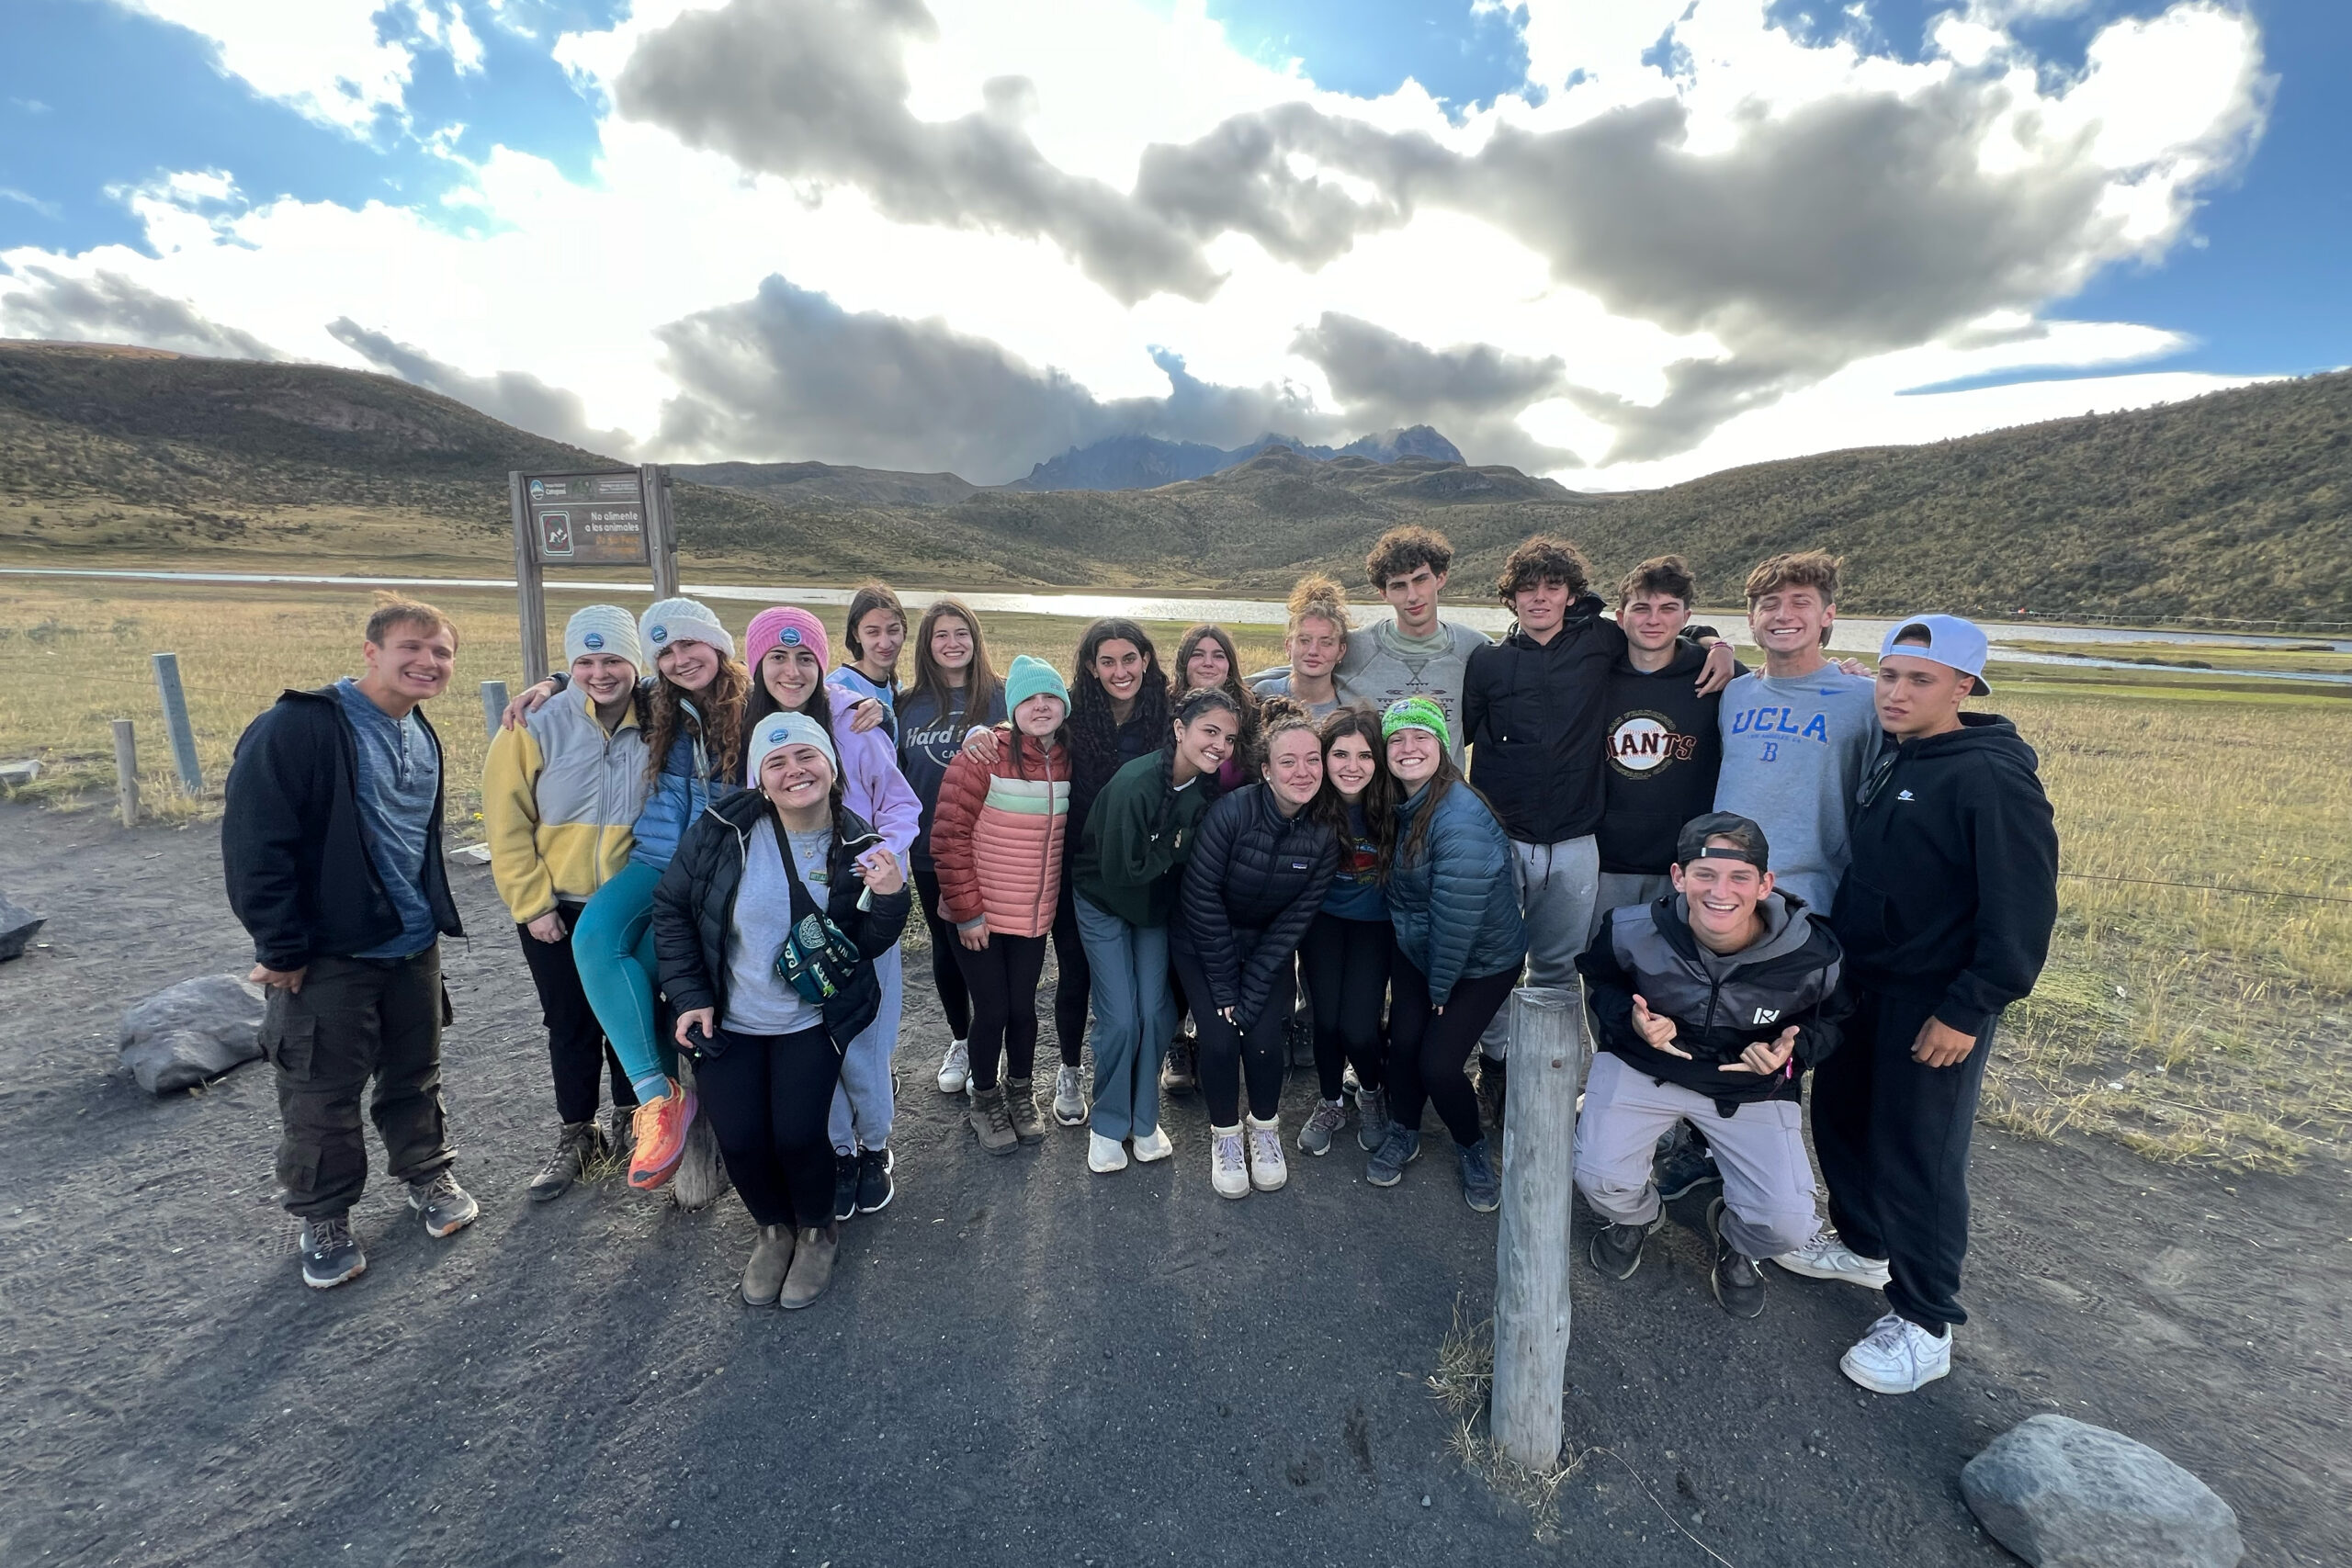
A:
(1621, 244)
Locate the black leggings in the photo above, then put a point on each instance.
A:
(1428, 1050)
(1345, 963)
(577, 1054)
(947, 972)
(767, 1096)
(1073, 977)
(1004, 979)
(1226, 1053)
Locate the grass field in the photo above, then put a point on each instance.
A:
(2210, 1022)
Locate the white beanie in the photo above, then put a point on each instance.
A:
(682, 620)
(778, 730)
(602, 628)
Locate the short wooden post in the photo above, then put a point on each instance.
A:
(126, 772)
(175, 725)
(1547, 1047)
(493, 703)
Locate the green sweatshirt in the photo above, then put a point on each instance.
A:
(1137, 839)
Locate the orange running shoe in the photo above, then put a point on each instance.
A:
(660, 1126)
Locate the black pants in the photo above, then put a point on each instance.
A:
(357, 1019)
(1073, 976)
(767, 1096)
(1892, 1138)
(1227, 1053)
(577, 1053)
(946, 969)
(1428, 1050)
(1345, 964)
(1003, 980)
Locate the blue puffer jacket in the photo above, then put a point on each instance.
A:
(1455, 904)
(680, 791)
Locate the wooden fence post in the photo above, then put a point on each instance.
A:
(126, 772)
(1547, 1051)
(175, 725)
(494, 703)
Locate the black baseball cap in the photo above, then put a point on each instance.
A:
(1691, 845)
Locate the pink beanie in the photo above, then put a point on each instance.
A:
(785, 626)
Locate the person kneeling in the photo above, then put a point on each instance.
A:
(766, 942)
(1712, 1003)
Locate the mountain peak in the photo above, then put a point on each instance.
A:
(1146, 462)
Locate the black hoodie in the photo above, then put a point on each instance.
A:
(1661, 751)
(1953, 884)
(1534, 715)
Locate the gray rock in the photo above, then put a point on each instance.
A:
(17, 925)
(187, 1033)
(2063, 1493)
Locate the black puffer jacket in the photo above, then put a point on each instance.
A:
(694, 909)
(1255, 882)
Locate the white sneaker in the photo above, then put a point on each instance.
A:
(1827, 1258)
(1153, 1145)
(1070, 1106)
(1228, 1166)
(1897, 1355)
(955, 1068)
(1267, 1170)
(1104, 1155)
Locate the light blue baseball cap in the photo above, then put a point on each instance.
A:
(1950, 641)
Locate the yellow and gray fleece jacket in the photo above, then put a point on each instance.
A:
(559, 798)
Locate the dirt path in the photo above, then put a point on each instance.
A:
(1020, 1363)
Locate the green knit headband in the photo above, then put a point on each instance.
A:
(1416, 713)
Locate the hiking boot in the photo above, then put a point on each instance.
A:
(1399, 1149)
(1300, 1033)
(1229, 1162)
(1020, 1104)
(1323, 1123)
(1688, 1165)
(874, 1188)
(574, 1148)
(771, 1257)
(955, 1068)
(1616, 1249)
(1827, 1258)
(659, 1130)
(1179, 1074)
(1152, 1145)
(844, 1187)
(1104, 1155)
(1481, 1188)
(1371, 1118)
(448, 1208)
(991, 1121)
(812, 1266)
(329, 1252)
(1069, 1105)
(1493, 1086)
(1268, 1170)
(620, 1135)
(1897, 1355)
(1739, 1279)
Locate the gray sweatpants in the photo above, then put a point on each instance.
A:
(1768, 1185)
(1619, 888)
(1557, 884)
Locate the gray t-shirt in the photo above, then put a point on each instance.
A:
(399, 780)
(1795, 752)
(1279, 686)
(759, 1000)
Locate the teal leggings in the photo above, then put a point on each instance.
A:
(614, 947)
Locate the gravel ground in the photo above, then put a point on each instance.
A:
(1019, 1362)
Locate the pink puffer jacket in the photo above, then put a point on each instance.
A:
(997, 836)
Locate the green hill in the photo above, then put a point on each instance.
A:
(2238, 504)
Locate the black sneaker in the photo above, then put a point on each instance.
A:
(329, 1252)
(874, 1188)
(1739, 1280)
(1616, 1250)
(1494, 1090)
(448, 1208)
(1178, 1074)
(1481, 1188)
(573, 1149)
(1687, 1166)
(844, 1188)
(1300, 1035)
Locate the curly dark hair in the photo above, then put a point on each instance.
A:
(1399, 551)
(1093, 730)
(716, 716)
(1540, 560)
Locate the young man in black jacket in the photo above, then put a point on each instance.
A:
(1534, 714)
(1945, 913)
(331, 841)
(1713, 1001)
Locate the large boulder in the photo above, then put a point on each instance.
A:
(2063, 1493)
(187, 1033)
(17, 925)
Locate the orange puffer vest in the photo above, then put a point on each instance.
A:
(997, 836)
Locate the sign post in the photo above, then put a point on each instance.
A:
(617, 517)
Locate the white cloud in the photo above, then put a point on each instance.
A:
(328, 59)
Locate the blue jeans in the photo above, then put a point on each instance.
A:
(862, 1105)
(613, 945)
(1134, 1014)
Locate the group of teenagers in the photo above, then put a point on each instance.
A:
(713, 859)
